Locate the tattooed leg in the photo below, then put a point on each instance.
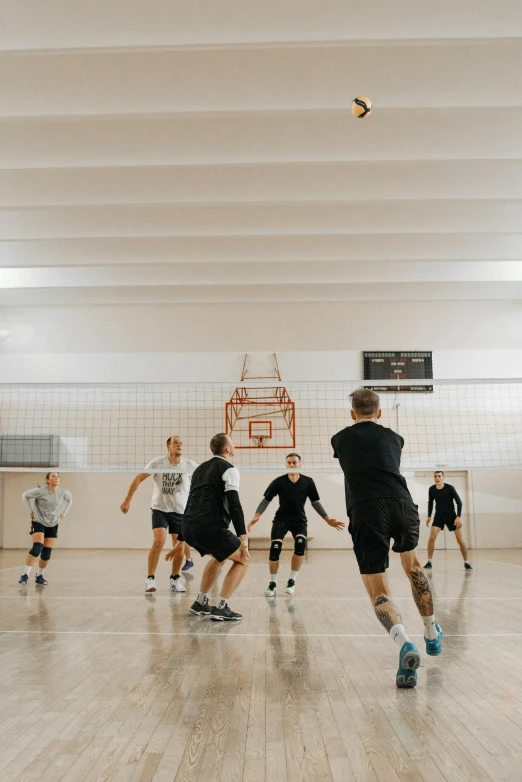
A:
(378, 589)
(420, 586)
(420, 589)
(387, 612)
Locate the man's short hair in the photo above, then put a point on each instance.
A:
(294, 454)
(365, 401)
(171, 438)
(438, 471)
(218, 443)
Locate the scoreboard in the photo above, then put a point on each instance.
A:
(398, 365)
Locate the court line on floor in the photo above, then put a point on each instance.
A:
(494, 562)
(246, 635)
(19, 567)
(175, 599)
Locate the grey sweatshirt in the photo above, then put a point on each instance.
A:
(47, 505)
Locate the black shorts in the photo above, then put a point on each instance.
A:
(448, 521)
(170, 521)
(214, 540)
(372, 526)
(280, 528)
(49, 532)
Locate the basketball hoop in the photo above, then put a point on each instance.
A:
(259, 440)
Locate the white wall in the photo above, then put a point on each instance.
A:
(314, 341)
(297, 365)
(497, 497)
(492, 510)
(283, 327)
(95, 520)
(2, 504)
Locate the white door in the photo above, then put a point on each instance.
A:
(418, 485)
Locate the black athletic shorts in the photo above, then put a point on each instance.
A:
(447, 521)
(170, 521)
(49, 532)
(372, 526)
(214, 540)
(280, 529)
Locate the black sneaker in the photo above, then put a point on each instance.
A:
(271, 589)
(224, 614)
(467, 566)
(427, 566)
(200, 609)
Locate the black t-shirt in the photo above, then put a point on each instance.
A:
(292, 497)
(444, 499)
(370, 457)
(207, 503)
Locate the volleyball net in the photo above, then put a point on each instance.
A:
(121, 427)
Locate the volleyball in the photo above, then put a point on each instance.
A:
(361, 107)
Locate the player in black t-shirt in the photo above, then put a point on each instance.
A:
(293, 489)
(445, 498)
(380, 508)
(213, 502)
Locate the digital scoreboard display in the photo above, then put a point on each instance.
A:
(398, 365)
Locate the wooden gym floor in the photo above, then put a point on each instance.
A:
(100, 682)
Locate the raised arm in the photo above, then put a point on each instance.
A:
(124, 507)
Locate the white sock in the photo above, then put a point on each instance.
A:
(222, 602)
(466, 562)
(430, 629)
(293, 574)
(273, 577)
(27, 570)
(40, 571)
(202, 597)
(398, 634)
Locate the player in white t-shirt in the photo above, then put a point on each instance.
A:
(170, 494)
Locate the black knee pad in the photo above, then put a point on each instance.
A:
(275, 551)
(300, 546)
(46, 553)
(36, 550)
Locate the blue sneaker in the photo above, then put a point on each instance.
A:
(40, 580)
(24, 579)
(434, 647)
(188, 564)
(409, 661)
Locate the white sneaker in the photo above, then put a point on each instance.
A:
(176, 585)
(150, 585)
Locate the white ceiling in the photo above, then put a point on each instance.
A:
(190, 151)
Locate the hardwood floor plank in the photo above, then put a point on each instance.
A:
(122, 687)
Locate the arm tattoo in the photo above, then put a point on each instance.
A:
(421, 592)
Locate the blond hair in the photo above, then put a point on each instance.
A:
(365, 402)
